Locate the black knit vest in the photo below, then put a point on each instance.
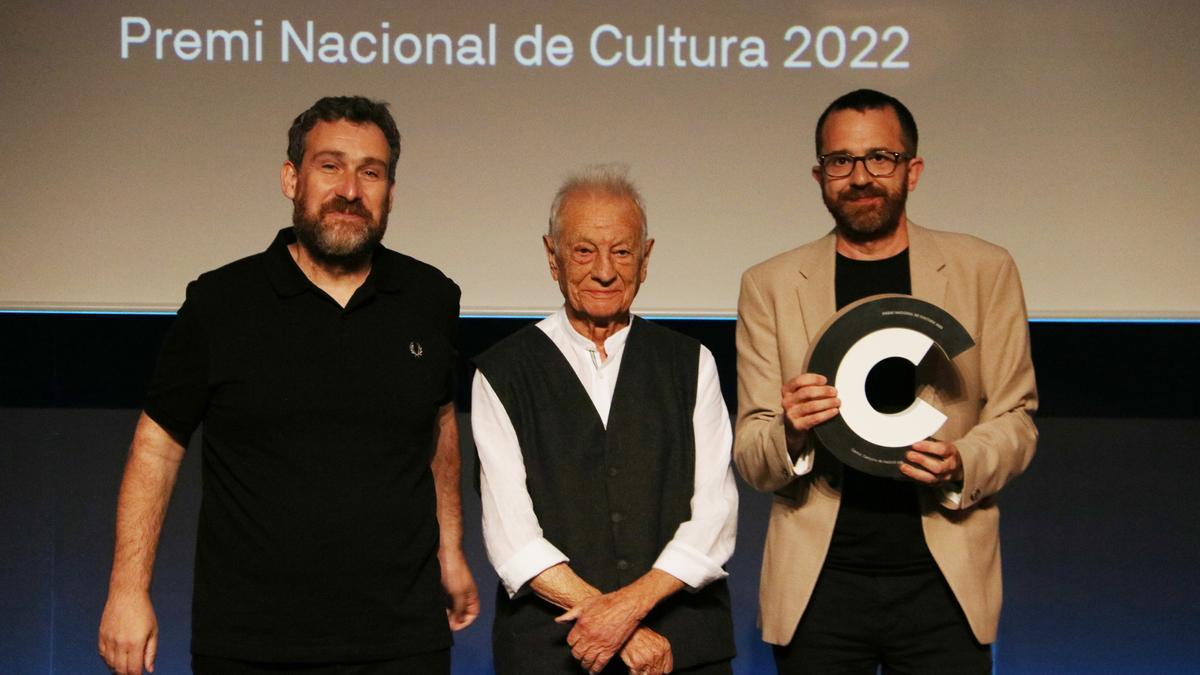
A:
(610, 500)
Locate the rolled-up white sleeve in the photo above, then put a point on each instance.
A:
(704, 543)
(511, 532)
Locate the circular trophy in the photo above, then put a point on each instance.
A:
(858, 338)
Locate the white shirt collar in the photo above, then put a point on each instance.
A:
(613, 344)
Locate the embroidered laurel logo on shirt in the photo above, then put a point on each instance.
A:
(416, 349)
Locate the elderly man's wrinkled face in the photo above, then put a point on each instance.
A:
(600, 258)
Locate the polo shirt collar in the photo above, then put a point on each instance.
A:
(285, 275)
(387, 274)
(289, 280)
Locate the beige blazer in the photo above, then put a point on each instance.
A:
(989, 397)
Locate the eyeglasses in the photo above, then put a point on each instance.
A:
(878, 163)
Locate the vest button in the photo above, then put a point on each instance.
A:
(622, 564)
(616, 517)
(612, 471)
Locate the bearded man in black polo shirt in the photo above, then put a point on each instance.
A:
(321, 369)
(861, 571)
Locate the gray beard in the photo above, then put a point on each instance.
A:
(339, 252)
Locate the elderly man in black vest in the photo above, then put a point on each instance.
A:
(609, 506)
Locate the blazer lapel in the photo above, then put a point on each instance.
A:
(814, 287)
(926, 266)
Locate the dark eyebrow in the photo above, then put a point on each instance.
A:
(866, 152)
(341, 156)
(338, 154)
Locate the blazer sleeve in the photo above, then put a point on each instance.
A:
(1001, 445)
(760, 446)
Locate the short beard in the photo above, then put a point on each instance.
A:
(864, 226)
(323, 243)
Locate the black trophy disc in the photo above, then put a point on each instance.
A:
(863, 327)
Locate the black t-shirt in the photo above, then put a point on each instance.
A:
(318, 533)
(878, 529)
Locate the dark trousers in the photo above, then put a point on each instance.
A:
(859, 623)
(428, 663)
(718, 668)
(617, 667)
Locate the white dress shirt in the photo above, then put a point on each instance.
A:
(511, 532)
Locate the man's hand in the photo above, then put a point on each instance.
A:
(808, 401)
(933, 463)
(647, 653)
(602, 624)
(128, 633)
(128, 628)
(462, 599)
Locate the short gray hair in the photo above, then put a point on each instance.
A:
(610, 180)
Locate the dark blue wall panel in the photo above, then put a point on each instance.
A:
(1101, 540)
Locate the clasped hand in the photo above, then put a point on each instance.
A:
(608, 623)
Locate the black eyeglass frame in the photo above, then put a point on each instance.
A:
(854, 159)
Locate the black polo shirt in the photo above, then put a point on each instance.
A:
(318, 534)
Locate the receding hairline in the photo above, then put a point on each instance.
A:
(357, 110)
(597, 182)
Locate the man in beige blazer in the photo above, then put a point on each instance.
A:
(860, 571)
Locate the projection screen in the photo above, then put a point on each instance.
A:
(143, 140)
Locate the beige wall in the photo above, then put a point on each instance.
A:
(1066, 132)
